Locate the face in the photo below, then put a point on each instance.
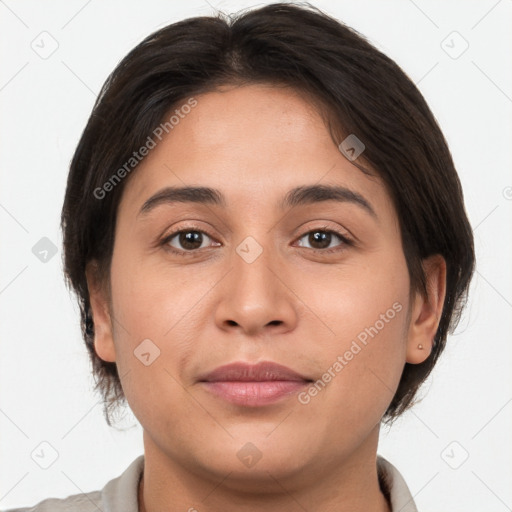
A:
(319, 285)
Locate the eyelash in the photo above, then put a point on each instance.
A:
(165, 241)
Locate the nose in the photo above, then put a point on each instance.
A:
(256, 297)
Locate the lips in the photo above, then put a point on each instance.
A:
(244, 372)
(253, 385)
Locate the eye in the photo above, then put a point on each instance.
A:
(321, 239)
(186, 240)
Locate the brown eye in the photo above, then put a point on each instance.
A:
(186, 240)
(321, 239)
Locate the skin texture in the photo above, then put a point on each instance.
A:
(291, 305)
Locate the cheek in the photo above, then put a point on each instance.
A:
(151, 299)
(360, 334)
(157, 315)
(357, 301)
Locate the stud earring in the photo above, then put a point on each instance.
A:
(420, 346)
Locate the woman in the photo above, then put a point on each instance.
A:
(268, 242)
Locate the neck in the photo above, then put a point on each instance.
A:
(342, 486)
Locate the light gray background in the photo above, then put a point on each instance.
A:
(45, 382)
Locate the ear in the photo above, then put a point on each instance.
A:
(103, 334)
(426, 311)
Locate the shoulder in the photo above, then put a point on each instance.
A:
(394, 487)
(77, 503)
(118, 495)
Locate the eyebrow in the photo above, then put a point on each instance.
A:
(303, 195)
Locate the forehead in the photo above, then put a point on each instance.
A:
(258, 109)
(255, 143)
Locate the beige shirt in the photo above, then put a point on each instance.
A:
(120, 494)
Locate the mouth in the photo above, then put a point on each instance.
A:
(254, 385)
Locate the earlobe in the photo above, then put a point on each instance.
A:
(426, 311)
(103, 335)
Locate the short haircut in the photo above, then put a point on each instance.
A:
(357, 89)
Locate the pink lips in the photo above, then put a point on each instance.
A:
(253, 385)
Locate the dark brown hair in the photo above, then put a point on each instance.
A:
(362, 92)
